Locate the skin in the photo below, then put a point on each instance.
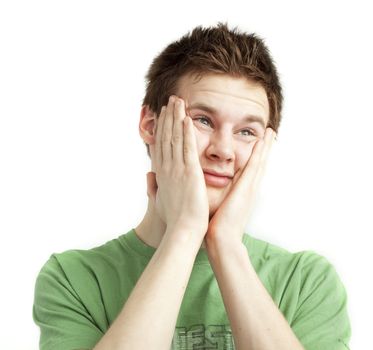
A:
(225, 142)
(184, 210)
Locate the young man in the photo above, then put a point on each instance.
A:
(187, 277)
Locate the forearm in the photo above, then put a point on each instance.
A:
(256, 322)
(158, 292)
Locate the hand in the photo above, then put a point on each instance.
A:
(229, 221)
(177, 188)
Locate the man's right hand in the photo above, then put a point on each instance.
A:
(178, 193)
(178, 188)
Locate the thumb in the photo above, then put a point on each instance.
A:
(151, 185)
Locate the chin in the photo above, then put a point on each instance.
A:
(215, 199)
(212, 212)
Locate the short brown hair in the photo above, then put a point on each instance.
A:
(214, 50)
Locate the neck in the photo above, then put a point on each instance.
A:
(152, 229)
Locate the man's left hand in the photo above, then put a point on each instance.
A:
(228, 223)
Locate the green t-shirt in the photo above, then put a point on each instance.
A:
(79, 293)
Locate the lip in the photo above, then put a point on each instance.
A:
(216, 179)
(217, 173)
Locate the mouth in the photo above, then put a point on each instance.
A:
(215, 179)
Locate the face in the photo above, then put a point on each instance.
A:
(229, 115)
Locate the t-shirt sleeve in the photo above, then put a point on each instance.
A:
(321, 320)
(63, 320)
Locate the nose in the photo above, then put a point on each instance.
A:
(220, 148)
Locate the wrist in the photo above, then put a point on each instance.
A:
(226, 246)
(221, 239)
(181, 237)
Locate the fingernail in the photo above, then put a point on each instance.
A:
(162, 109)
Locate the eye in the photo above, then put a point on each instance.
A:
(247, 132)
(203, 120)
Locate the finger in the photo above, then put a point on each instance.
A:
(190, 144)
(269, 138)
(177, 134)
(158, 138)
(243, 181)
(167, 131)
(250, 170)
(258, 155)
(246, 180)
(151, 185)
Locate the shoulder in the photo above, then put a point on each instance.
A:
(262, 250)
(72, 295)
(308, 268)
(308, 290)
(75, 264)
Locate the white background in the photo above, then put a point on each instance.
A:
(73, 166)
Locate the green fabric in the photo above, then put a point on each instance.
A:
(79, 293)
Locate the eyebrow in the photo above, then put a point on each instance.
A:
(211, 110)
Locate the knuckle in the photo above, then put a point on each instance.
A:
(166, 139)
(176, 139)
(188, 152)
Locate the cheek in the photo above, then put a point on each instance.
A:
(202, 140)
(243, 155)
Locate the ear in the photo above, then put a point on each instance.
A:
(147, 125)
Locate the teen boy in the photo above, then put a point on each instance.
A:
(187, 277)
